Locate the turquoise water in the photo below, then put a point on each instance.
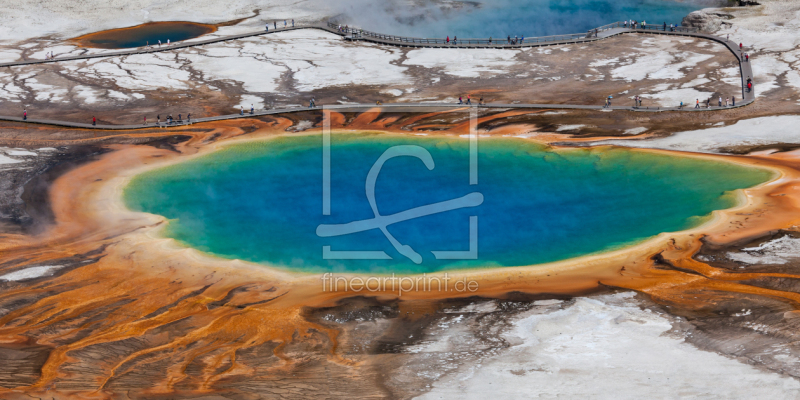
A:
(262, 201)
(500, 18)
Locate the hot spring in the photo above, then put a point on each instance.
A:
(261, 201)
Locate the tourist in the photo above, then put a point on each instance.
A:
(480, 102)
(158, 120)
(469, 99)
(94, 121)
(720, 101)
(606, 104)
(459, 100)
(159, 43)
(640, 101)
(680, 107)
(241, 112)
(167, 42)
(728, 37)
(189, 118)
(697, 103)
(275, 25)
(749, 87)
(180, 118)
(267, 27)
(740, 47)
(665, 26)
(509, 39)
(733, 101)
(624, 24)
(726, 102)
(747, 57)
(252, 109)
(292, 22)
(25, 114)
(490, 40)
(448, 39)
(455, 40)
(145, 120)
(708, 102)
(284, 23)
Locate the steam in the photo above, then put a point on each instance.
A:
(500, 18)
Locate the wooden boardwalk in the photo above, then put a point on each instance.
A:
(357, 35)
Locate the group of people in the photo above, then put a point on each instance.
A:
(729, 102)
(170, 120)
(634, 24)
(515, 40)
(49, 55)
(286, 24)
(469, 100)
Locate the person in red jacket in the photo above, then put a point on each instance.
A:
(94, 121)
(24, 115)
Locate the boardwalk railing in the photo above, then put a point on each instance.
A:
(360, 33)
(357, 33)
(648, 27)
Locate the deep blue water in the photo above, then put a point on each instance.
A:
(262, 201)
(500, 18)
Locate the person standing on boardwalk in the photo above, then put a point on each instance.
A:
(266, 28)
(460, 101)
(665, 26)
(167, 42)
(241, 110)
(747, 57)
(455, 40)
(680, 107)
(284, 23)
(480, 102)
(720, 101)
(469, 99)
(158, 120)
(292, 22)
(252, 109)
(25, 114)
(726, 102)
(740, 47)
(145, 120)
(448, 39)
(733, 101)
(189, 118)
(94, 121)
(180, 118)
(159, 43)
(697, 103)
(275, 24)
(522, 39)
